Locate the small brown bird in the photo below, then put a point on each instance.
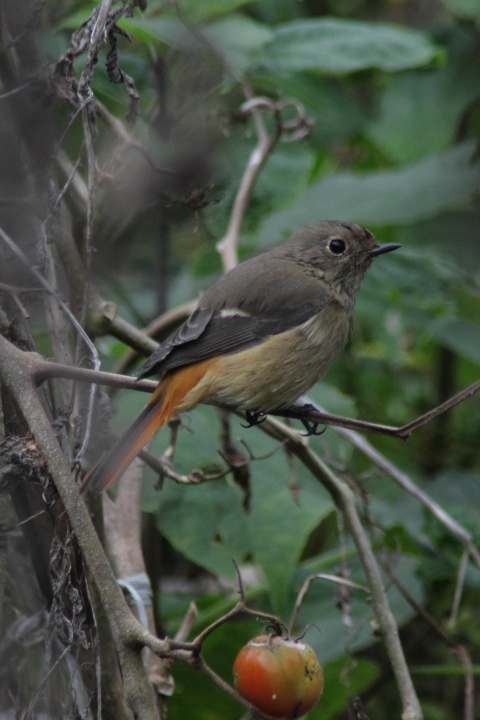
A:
(261, 336)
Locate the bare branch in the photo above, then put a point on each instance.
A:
(462, 570)
(458, 650)
(345, 501)
(306, 587)
(314, 415)
(17, 378)
(227, 247)
(297, 127)
(413, 490)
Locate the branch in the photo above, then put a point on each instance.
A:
(160, 326)
(406, 484)
(41, 280)
(459, 650)
(227, 247)
(299, 126)
(43, 369)
(17, 370)
(345, 501)
(312, 414)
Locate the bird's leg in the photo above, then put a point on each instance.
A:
(254, 418)
(300, 412)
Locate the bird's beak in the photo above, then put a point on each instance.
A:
(380, 249)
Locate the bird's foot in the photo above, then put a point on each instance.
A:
(301, 412)
(254, 418)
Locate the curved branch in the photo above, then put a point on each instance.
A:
(227, 247)
(345, 501)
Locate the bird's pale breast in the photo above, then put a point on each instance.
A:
(277, 371)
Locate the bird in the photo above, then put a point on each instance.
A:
(260, 337)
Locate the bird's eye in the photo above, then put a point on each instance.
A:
(337, 246)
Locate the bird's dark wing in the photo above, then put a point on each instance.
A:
(187, 333)
(239, 311)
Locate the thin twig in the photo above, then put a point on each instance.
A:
(306, 587)
(240, 609)
(462, 570)
(26, 262)
(45, 369)
(409, 486)
(315, 415)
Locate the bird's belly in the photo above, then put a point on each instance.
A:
(279, 370)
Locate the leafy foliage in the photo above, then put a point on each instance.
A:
(393, 117)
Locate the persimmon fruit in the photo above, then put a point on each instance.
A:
(280, 676)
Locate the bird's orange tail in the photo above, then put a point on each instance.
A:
(118, 458)
(168, 396)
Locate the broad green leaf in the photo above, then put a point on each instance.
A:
(205, 524)
(327, 101)
(279, 524)
(236, 38)
(319, 608)
(438, 183)
(419, 112)
(208, 524)
(341, 46)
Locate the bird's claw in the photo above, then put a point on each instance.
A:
(254, 418)
(311, 428)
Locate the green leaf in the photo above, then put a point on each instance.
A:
(339, 691)
(464, 8)
(238, 39)
(208, 525)
(197, 11)
(205, 524)
(462, 336)
(279, 525)
(420, 111)
(169, 31)
(341, 46)
(440, 182)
